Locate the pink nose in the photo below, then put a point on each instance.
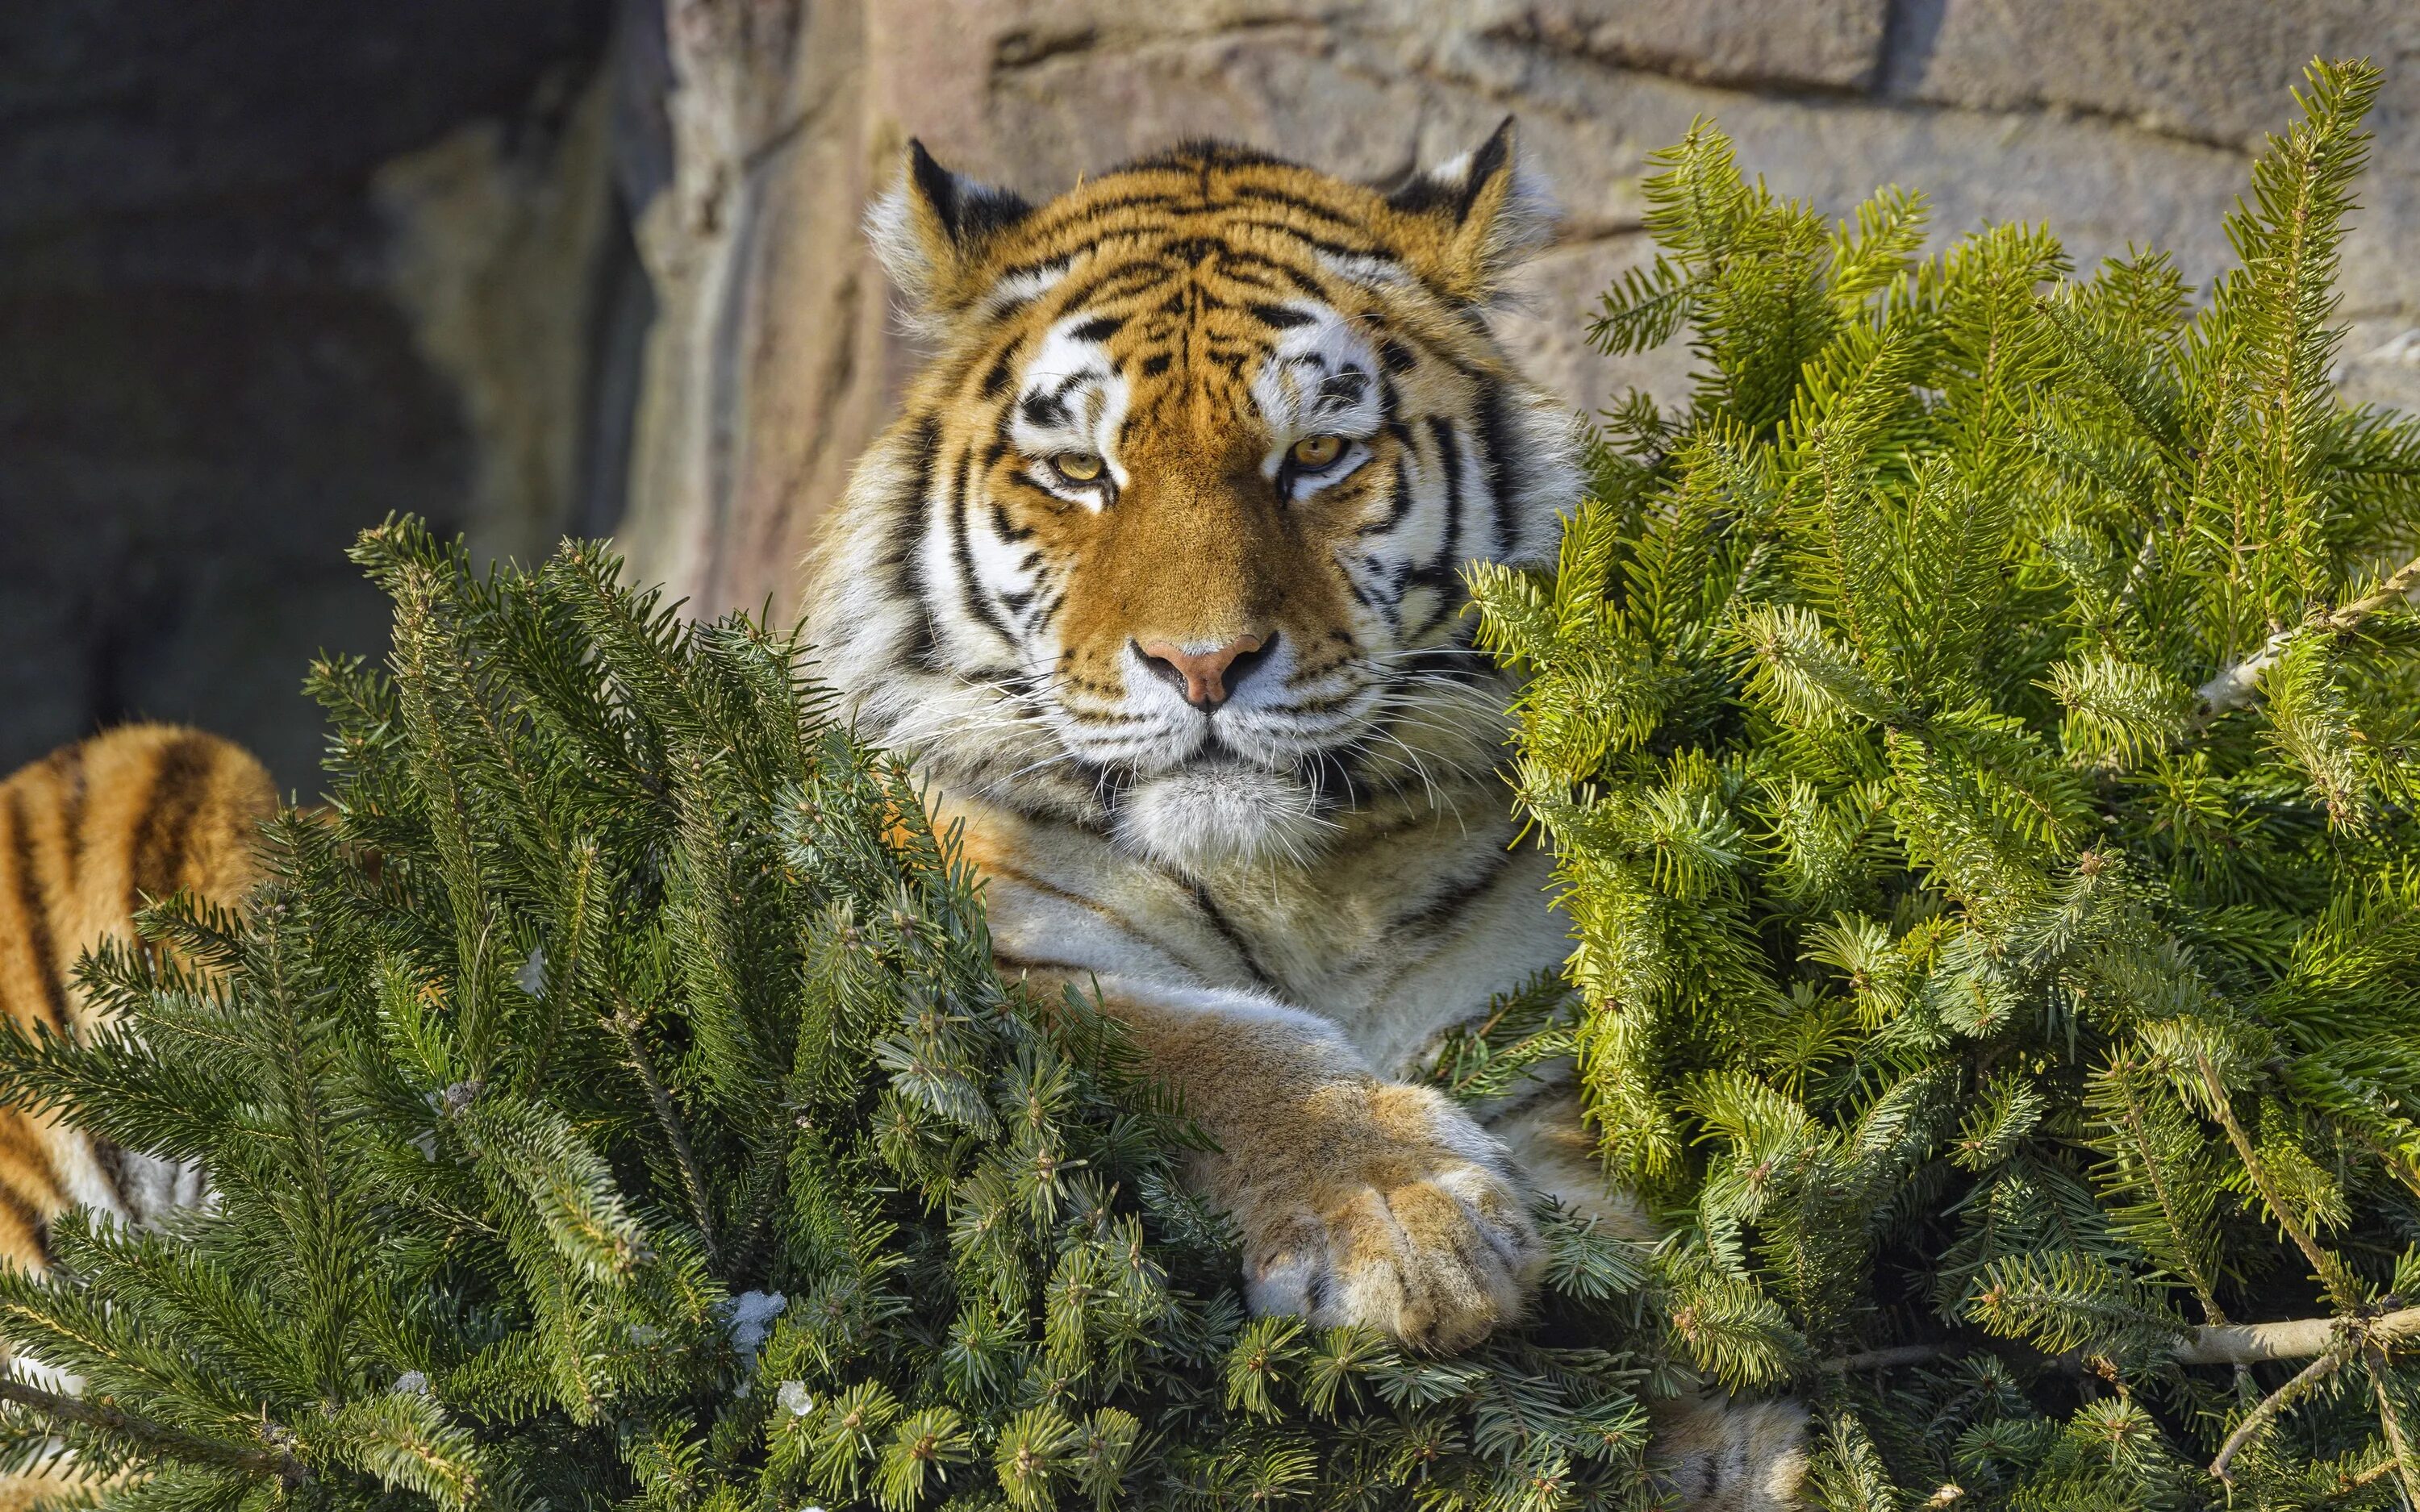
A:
(1205, 677)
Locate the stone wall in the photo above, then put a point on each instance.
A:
(2117, 121)
(268, 270)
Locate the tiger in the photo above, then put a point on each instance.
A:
(89, 834)
(1158, 578)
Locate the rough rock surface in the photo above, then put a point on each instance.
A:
(211, 369)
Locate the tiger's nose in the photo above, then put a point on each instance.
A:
(1207, 678)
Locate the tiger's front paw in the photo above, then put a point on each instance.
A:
(1387, 1206)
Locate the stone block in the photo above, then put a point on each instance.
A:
(1314, 93)
(1819, 44)
(2214, 71)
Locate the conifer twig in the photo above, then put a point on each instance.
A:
(2277, 1401)
(2398, 1449)
(625, 1024)
(175, 1442)
(2366, 1476)
(2326, 1267)
(2234, 684)
(2146, 557)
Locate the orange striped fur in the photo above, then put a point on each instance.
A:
(87, 835)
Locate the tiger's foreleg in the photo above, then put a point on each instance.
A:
(1360, 1200)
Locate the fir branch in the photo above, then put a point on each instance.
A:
(275, 1463)
(2152, 1154)
(2398, 1444)
(2330, 1270)
(2266, 1412)
(624, 1024)
(2004, 524)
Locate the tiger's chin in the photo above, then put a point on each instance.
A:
(1209, 816)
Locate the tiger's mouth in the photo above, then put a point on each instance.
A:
(1264, 783)
(1205, 749)
(1240, 797)
(1211, 812)
(1221, 749)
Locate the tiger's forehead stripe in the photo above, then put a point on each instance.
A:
(1215, 181)
(1114, 281)
(1240, 210)
(1193, 235)
(1162, 286)
(1138, 283)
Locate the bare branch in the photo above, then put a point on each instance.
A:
(2234, 686)
(1850, 1365)
(2294, 1339)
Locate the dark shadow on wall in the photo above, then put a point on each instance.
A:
(207, 380)
(620, 312)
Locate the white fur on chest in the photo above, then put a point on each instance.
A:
(1391, 940)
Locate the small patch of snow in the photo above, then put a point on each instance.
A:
(750, 1317)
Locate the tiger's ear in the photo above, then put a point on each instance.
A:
(1468, 222)
(932, 230)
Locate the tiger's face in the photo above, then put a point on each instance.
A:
(1170, 537)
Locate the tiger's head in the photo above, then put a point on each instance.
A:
(1168, 537)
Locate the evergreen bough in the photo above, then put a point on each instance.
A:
(1977, 733)
(611, 1101)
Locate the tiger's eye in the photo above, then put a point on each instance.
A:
(1318, 450)
(1077, 466)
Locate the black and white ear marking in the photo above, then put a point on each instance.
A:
(1475, 218)
(931, 231)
